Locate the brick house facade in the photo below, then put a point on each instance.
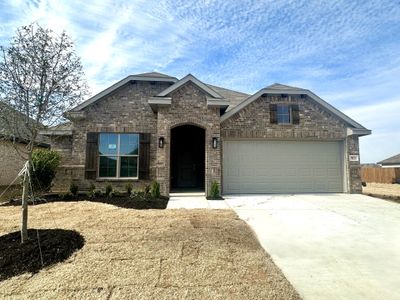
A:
(149, 108)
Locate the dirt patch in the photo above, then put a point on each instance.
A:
(120, 201)
(383, 190)
(56, 245)
(149, 254)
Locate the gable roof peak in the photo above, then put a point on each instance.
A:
(194, 80)
(154, 74)
(280, 86)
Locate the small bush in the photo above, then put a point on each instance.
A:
(155, 189)
(97, 193)
(147, 189)
(109, 190)
(45, 163)
(92, 189)
(214, 190)
(73, 188)
(138, 195)
(129, 188)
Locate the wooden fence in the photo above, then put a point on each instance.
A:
(380, 175)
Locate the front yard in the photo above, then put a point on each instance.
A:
(383, 190)
(151, 254)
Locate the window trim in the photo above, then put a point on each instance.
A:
(118, 155)
(290, 114)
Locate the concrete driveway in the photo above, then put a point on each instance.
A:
(329, 246)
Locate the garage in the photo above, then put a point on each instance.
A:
(255, 166)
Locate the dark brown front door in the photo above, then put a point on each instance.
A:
(187, 157)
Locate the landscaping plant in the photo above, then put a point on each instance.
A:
(155, 190)
(73, 188)
(43, 170)
(214, 190)
(109, 190)
(41, 77)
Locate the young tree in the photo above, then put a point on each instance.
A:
(40, 78)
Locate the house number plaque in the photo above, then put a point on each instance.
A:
(353, 158)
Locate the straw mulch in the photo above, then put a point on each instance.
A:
(152, 254)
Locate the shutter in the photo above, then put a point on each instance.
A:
(273, 114)
(295, 114)
(144, 156)
(91, 155)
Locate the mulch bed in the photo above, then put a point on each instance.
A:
(123, 201)
(56, 246)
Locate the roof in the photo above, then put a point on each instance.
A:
(394, 160)
(195, 81)
(278, 88)
(63, 129)
(233, 97)
(12, 126)
(153, 76)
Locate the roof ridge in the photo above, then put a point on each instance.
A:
(153, 74)
(220, 87)
(277, 85)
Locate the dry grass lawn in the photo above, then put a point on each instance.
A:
(383, 189)
(153, 254)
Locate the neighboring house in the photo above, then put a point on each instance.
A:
(12, 146)
(186, 134)
(391, 162)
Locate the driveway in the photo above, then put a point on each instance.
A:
(329, 246)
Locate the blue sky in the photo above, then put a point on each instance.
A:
(347, 52)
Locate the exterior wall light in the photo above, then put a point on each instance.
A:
(215, 142)
(161, 142)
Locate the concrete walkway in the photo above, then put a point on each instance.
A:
(329, 246)
(194, 200)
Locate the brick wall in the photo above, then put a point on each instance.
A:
(10, 161)
(315, 124)
(188, 106)
(125, 110)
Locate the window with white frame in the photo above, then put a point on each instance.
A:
(283, 114)
(118, 155)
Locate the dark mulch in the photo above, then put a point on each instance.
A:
(123, 201)
(56, 246)
(214, 198)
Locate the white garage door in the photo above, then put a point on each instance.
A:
(282, 167)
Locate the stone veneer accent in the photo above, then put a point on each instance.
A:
(315, 124)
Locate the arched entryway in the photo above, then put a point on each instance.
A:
(187, 158)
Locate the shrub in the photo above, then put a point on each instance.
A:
(146, 189)
(214, 190)
(155, 189)
(73, 188)
(128, 188)
(45, 163)
(109, 190)
(92, 189)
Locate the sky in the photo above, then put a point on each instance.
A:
(347, 52)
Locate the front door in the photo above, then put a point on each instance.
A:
(187, 157)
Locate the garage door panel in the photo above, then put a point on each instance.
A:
(282, 167)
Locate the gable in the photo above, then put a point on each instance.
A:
(278, 89)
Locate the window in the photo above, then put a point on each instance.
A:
(283, 114)
(118, 155)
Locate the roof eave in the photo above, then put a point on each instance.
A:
(118, 85)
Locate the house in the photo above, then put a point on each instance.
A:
(13, 142)
(185, 134)
(391, 162)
